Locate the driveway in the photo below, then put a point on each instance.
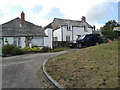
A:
(21, 71)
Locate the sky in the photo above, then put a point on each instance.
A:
(42, 12)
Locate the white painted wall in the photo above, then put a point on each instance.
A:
(48, 40)
(57, 33)
(89, 31)
(9, 39)
(66, 33)
(22, 42)
(78, 31)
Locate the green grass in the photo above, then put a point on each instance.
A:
(92, 67)
(60, 49)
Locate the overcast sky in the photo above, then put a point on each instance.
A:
(42, 12)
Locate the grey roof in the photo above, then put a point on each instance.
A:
(57, 22)
(14, 28)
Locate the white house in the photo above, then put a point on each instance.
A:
(21, 33)
(66, 30)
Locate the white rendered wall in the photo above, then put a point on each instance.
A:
(66, 33)
(57, 33)
(22, 42)
(80, 31)
(48, 40)
(9, 39)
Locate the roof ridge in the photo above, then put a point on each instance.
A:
(68, 19)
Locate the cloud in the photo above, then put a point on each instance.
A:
(54, 12)
(97, 12)
(71, 9)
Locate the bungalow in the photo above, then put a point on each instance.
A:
(22, 33)
(66, 30)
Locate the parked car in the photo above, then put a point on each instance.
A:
(86, 40)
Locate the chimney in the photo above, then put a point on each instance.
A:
(22, 18)
(83, 19)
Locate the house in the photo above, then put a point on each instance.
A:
(66, 30)
(117, 29)
(22, 33)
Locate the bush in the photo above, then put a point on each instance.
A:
(45, 49)
(9, 50)
(60, 49)
(35, 49)
(16, 51)
(26, 49)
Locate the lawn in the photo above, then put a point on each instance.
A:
(92, 67)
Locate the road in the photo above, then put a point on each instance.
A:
(21, 71)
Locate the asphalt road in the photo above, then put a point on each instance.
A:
(21, 71)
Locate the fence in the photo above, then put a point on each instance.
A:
(59, 44)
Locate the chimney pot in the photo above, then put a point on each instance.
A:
(83, 19)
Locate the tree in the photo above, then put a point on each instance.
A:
(107, 29)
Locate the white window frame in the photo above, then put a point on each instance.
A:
(67, 38)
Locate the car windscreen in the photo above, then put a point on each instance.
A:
(80, 38)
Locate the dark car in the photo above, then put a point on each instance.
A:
(87, 40)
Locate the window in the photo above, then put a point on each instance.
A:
(67, 38)
(17, 41)
(55, 38)
(69, 26)
(85, 28)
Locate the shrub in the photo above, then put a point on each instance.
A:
(35, 49)
(45, 49)
(7, 49)
(16, 51)
(26, 49)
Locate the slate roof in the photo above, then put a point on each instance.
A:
(57, 22)
(14, 28)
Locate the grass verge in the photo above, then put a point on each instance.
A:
(93, 67)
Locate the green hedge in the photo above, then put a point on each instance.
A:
(35, 49)
(27, 49)
(9, 50)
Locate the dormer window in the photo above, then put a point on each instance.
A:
(69, 26)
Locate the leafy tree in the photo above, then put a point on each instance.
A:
(107, 29)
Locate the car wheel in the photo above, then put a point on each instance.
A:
(79, 45)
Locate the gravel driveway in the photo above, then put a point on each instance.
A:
(21, 71)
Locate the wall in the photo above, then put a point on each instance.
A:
(48, 40)
(80, 31)
(22, 42)
(9, 39)
(1, 46)
(66, 33)
(57, 33)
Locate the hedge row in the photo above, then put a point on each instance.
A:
(10, 50)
